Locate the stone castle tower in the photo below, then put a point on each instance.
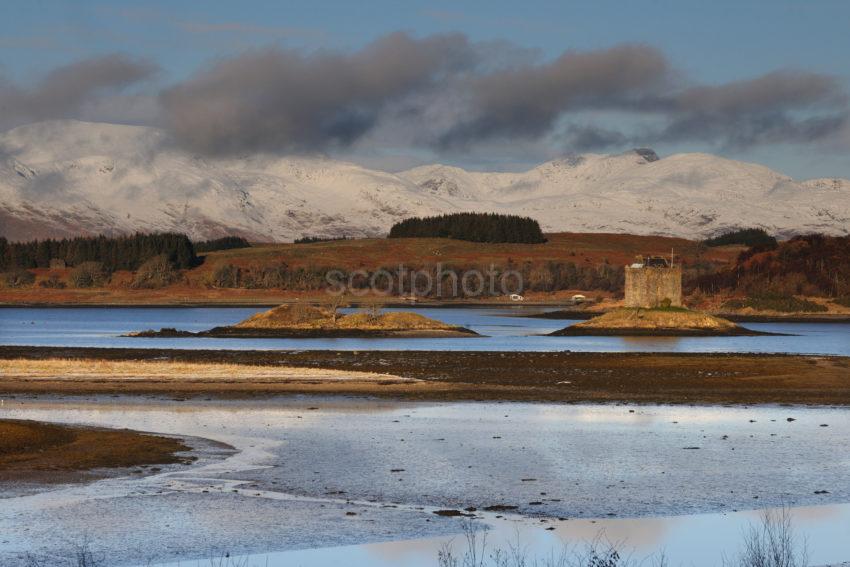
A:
(651, 282)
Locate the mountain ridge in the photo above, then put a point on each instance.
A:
(63, 178)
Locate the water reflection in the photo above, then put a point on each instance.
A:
(301, 474)
(698, 541)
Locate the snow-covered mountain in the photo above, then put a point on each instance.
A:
(66, 177)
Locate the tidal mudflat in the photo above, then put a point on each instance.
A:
(680, 378)
(314, 473)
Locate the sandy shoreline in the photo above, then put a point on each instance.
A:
(424, 375)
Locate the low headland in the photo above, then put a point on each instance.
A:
(34, 451)
(656, 322)
(299, 320)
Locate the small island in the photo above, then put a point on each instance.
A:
(302, 321)
(657, 322)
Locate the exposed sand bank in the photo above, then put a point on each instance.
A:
(69, 371)
(425, 375)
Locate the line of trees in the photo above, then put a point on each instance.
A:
(315, 239)
(475, 227)
(113, 253)
(225, 243)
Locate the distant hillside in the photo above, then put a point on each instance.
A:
(804, 265)
(268, 272)
(66, 178)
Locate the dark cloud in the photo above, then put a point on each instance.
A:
(66, 90)
(528, 101)
(781, 107)
(440, 92)
(778, 90)
(589, 137)
(785, 106)
(281, 100)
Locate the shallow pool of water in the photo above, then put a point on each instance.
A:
(505, 329)
(320, 480)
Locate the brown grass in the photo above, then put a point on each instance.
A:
(564, 247)
(396, 321)
(287, 316)
(300, 316)
(651, 319)
(31, 449)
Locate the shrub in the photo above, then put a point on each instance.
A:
(273, 277)
(373, 312)
(89, 274)
(52, 282)
(225, 275)
(155, 273)
(772, 543)
(18, 278)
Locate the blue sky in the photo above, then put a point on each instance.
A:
(708, 43)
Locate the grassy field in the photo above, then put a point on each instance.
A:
(561, 247)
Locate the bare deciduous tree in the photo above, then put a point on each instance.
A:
(336, 303)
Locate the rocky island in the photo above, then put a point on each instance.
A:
(660, 321)
(294, 321)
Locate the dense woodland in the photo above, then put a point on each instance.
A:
(225, 243)
(113, 253)
(753, 237)
(475, 227)
(814, 264)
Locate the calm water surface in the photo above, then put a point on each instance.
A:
(356, 482)
(505, 329)
(326, 482)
